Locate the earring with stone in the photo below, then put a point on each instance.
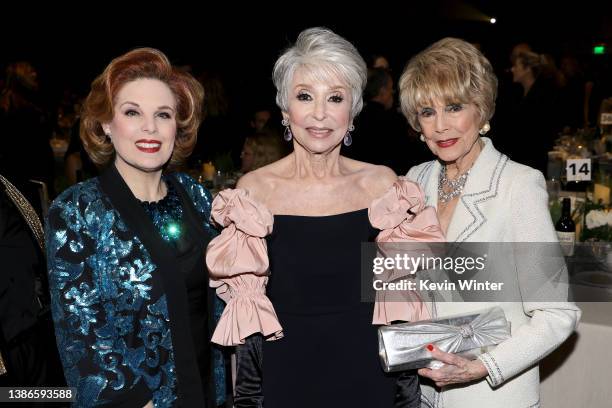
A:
(287, 135)
(348, 139)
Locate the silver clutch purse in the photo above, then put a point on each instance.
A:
(403, 346)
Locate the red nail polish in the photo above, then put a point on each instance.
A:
(430, 347)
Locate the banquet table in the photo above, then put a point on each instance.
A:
(579, 373)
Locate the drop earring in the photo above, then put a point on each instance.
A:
(287, 135)
(348, 139)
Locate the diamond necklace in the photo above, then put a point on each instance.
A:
(456, 185)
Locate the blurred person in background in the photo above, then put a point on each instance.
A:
(260, 150)
(535, 120)
(219, 133)
(25, 131)
(28, 352)
(260, 119)
(598, 87)
(381, 134)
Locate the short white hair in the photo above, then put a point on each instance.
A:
(325, 55)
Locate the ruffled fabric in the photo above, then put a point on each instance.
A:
(237, 262)
(401, 216)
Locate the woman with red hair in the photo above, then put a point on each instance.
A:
(125, 250)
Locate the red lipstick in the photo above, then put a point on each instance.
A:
(446, 143)
(148, 146)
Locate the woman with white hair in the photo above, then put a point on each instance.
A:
(288, 261)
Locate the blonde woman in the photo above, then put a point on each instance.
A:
(448, 94)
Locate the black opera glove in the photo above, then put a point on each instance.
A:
(249, 378)
(407, 390)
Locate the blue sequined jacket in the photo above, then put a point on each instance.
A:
(112, 316)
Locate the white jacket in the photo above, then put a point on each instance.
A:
(502, 201)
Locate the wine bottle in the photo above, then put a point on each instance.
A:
(566, 228)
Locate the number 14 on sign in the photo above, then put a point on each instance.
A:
(578, 170)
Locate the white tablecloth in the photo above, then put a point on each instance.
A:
(579, 373)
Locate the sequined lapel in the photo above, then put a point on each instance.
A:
(134, 216)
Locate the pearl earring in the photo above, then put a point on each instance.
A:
(485, 128)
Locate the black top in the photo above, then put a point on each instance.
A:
(329, 355)
(172, 221)
(22, 262)
(532, 125)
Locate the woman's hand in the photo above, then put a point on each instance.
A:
(456, 369)
(149, 405)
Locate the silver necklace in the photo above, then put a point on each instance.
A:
(455, 186)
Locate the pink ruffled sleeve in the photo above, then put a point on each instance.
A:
(401, 216)
(237, 262)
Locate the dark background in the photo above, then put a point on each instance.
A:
(71, 45)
